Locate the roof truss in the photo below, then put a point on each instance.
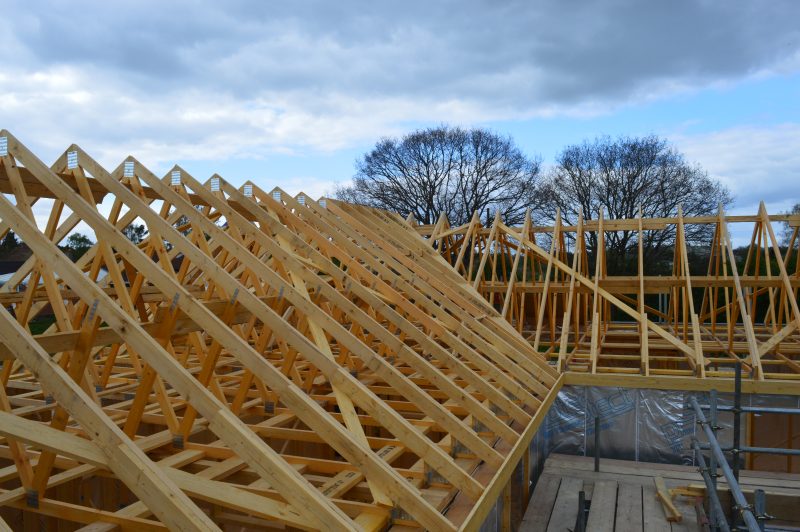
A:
(258, 358)
(688, 325)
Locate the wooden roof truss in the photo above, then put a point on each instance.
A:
(687, 324)
(258, 359)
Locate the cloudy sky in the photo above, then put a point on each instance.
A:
(291, 95)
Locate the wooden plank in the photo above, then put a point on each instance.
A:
(565, 509)
(686, 507)
(684, 260)
(513, 274)
(772, 387)
(670, 511)
(586, 463)
(537, 516)
(602, 511)
(653, 517)
(629, 508)
(629, 224)
(568, 464)
(577, 257)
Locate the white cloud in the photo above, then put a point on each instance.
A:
(211, 80)
(756, 163)
(48, 110)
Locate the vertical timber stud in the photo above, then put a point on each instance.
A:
(752, 344)
(643, 331)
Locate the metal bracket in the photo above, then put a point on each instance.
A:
(32, 498)
(127, 169)
(741, 509)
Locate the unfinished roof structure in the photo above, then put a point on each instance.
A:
(640, 328)
(258, 360)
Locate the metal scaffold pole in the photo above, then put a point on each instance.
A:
(741, 506)
(717, 513)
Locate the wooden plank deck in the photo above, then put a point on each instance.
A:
(623, 496)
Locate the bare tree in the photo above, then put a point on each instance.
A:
(446, 169)
(622, 174)
(786, 234)
(136, 233)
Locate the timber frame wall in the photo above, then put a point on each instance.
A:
(258, 360)
(680, 331)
